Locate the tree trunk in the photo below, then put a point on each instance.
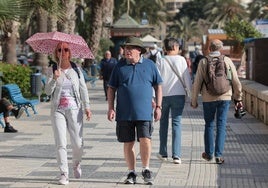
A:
(96, 29)
(68, 23)
(10, 42)
(107, 18)
(41, 59)
(52, 23)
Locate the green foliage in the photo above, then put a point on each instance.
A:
(240, 30)
(193, 10)
(17, 74)
(184, 29)
(219, 12)
(258, 9)
(12, 10)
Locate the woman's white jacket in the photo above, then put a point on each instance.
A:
(53, 87)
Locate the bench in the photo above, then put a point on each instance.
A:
(17, 99)
(1, 122)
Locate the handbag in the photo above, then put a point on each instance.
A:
(188, 93)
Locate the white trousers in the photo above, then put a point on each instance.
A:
(71, 120)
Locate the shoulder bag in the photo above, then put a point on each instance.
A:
(188, 93)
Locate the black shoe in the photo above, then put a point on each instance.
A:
(131, 178)
(206, 157)
(147, 177)
(219, 160)
(10, 129)
(17, 113)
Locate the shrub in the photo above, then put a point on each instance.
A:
(17, 74)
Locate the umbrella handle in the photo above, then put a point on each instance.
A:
(60, 59)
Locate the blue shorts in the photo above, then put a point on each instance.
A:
(126, 130)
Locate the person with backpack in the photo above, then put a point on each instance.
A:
(69, 98)
(217, 80)
(153, 53)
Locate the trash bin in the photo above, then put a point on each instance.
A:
(36, 69)
(36, 84)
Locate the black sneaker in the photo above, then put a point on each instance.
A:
(131, 178)
(10, 129)
(17, 113)
(147, 177)
(219, 160)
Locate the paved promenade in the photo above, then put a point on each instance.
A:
(27, 158)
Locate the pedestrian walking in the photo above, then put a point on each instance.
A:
(174, 72)
(107, 65)
(216, 106)
(69, 96)
(132, 81)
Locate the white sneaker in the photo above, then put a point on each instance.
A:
(77, 171)
(162, 158)
(177, 160)
(64, 180)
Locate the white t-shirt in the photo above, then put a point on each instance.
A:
(171, 84)
(67, 99)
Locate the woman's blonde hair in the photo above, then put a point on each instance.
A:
(56, 58)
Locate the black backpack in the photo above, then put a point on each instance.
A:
(217, 81)
(153, 56)
(74, 66)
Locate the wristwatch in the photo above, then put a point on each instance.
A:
(160, 107)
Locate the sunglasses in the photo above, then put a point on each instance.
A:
(65, 49)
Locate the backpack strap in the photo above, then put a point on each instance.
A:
(74, 66)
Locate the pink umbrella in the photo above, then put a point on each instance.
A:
(46, 43)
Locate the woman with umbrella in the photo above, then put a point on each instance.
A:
(69, 95)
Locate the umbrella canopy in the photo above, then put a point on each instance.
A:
(46, 43)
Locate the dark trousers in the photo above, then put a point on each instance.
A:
(4, 103)
(105, 87)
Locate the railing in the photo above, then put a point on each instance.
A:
(255, 99)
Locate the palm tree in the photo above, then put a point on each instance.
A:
(67, 25)
(11, 11)
(220, 11)
(41, 12)
(10, 41)
(96, 25)
(107, 17)
(23, 10)
(184, 29)
(258, 9)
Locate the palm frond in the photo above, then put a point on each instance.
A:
(13, 9)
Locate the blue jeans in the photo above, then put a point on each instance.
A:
(220, 108)
(175, 104)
